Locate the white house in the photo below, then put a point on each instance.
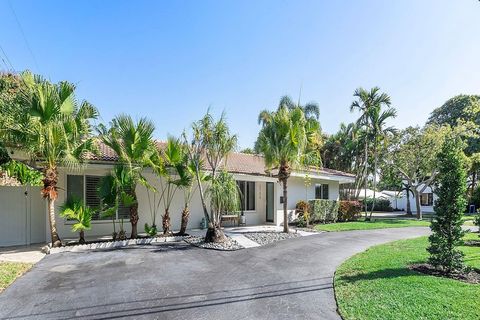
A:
(24, 218)
(427, 199)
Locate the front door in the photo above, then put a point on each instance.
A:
(270, 201)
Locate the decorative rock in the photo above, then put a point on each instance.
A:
(229, 245)
(263, 238)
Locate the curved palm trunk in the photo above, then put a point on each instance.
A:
(166, 222)
(185, 216)
(409, 207)
(134, 214)
(49, 192)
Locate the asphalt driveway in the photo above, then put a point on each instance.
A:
(291, 279)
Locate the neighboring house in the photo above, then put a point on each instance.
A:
(262, 203)
(427, 199)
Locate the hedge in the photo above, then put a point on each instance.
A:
(380, 204)
(323, 210)
(349, 210)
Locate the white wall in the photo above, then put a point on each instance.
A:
(402, 202)
(22, 216)
(298, 191)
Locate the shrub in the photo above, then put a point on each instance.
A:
(303, 210)
(301, 222)
(349, 210)
(380, 204)
(447, 225)
(323, 210)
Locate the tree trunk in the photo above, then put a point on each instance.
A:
(366, 171)
(374, 180)
(49, 192)
(472, 190)
(285, 204)
(134, 215)
(409, 207)
(82, 237)
(185, 216)
(166, 222)
(215, 234)
(417, 202)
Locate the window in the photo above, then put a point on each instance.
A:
(247, 195)
(84, 187)
(321, 191)
(426, 199)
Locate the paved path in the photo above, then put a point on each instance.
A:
(29, 254)
(291, 279)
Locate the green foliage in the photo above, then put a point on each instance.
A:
(302, 209)
(449, 208)
(151, 230)
(224, 194)
(75, 209)
(323, 210)
(349, 210)
(380, 204)
(23, 173)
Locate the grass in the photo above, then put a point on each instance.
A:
(376, 223)
(376, 284)
(9, 271)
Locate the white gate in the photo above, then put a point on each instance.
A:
(22, 216)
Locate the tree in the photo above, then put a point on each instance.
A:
(132, 142)
(414, 157)
(368, 102)
(224, 194)
(210, 145)
(312, 155)
(446, 226)
(75, 209)
(282, 141)
(379, 133)
(52, 127)
(248, 151)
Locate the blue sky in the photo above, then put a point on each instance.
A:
(171, 60)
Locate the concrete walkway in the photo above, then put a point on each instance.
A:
(290, 279)
(28, 254)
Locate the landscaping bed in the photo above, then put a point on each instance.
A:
(379, 283)
(263, 238)
(228, 245)
(9, 271)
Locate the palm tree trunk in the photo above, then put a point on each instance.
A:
(134, 214)
(285, 202)
(82, 237)
(409, 207)
(417, 202)
(374, 179)
(185, 216)
(49, 192)
(366, 174)
(166, 222)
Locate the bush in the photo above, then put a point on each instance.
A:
(301, 222)
(303, 211)
(349, 210)
(380, 204)
(323, 210)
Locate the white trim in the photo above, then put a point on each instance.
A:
(340, 179)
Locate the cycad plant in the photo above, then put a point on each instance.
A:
(74, 209)
(54, 128)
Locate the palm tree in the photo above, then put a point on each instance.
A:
(365, 101)
(132, 141)
(378, 133)
(54, 129)
(282, 141)
(75, 209)
(408, 190)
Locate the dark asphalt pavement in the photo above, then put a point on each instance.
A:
(291, 279)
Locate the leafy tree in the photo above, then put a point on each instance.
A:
(210, 145)
(75, 209)
(414, 157)
(449, 207)
(282, 141)
(22, 173)
(224, 194)
(50, 125)
(248, 151)
(370, 104)
(132, 142)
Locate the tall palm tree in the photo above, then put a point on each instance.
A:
(282, 141)
(133, 143)
(54, 129)
(378, 133)
(365, 101)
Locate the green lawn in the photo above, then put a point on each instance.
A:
(377, 284)
(377, 223)
(9, 271)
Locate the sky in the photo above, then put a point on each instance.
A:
(171, 61)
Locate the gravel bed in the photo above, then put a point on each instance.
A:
(263, 238)
(229, 245)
